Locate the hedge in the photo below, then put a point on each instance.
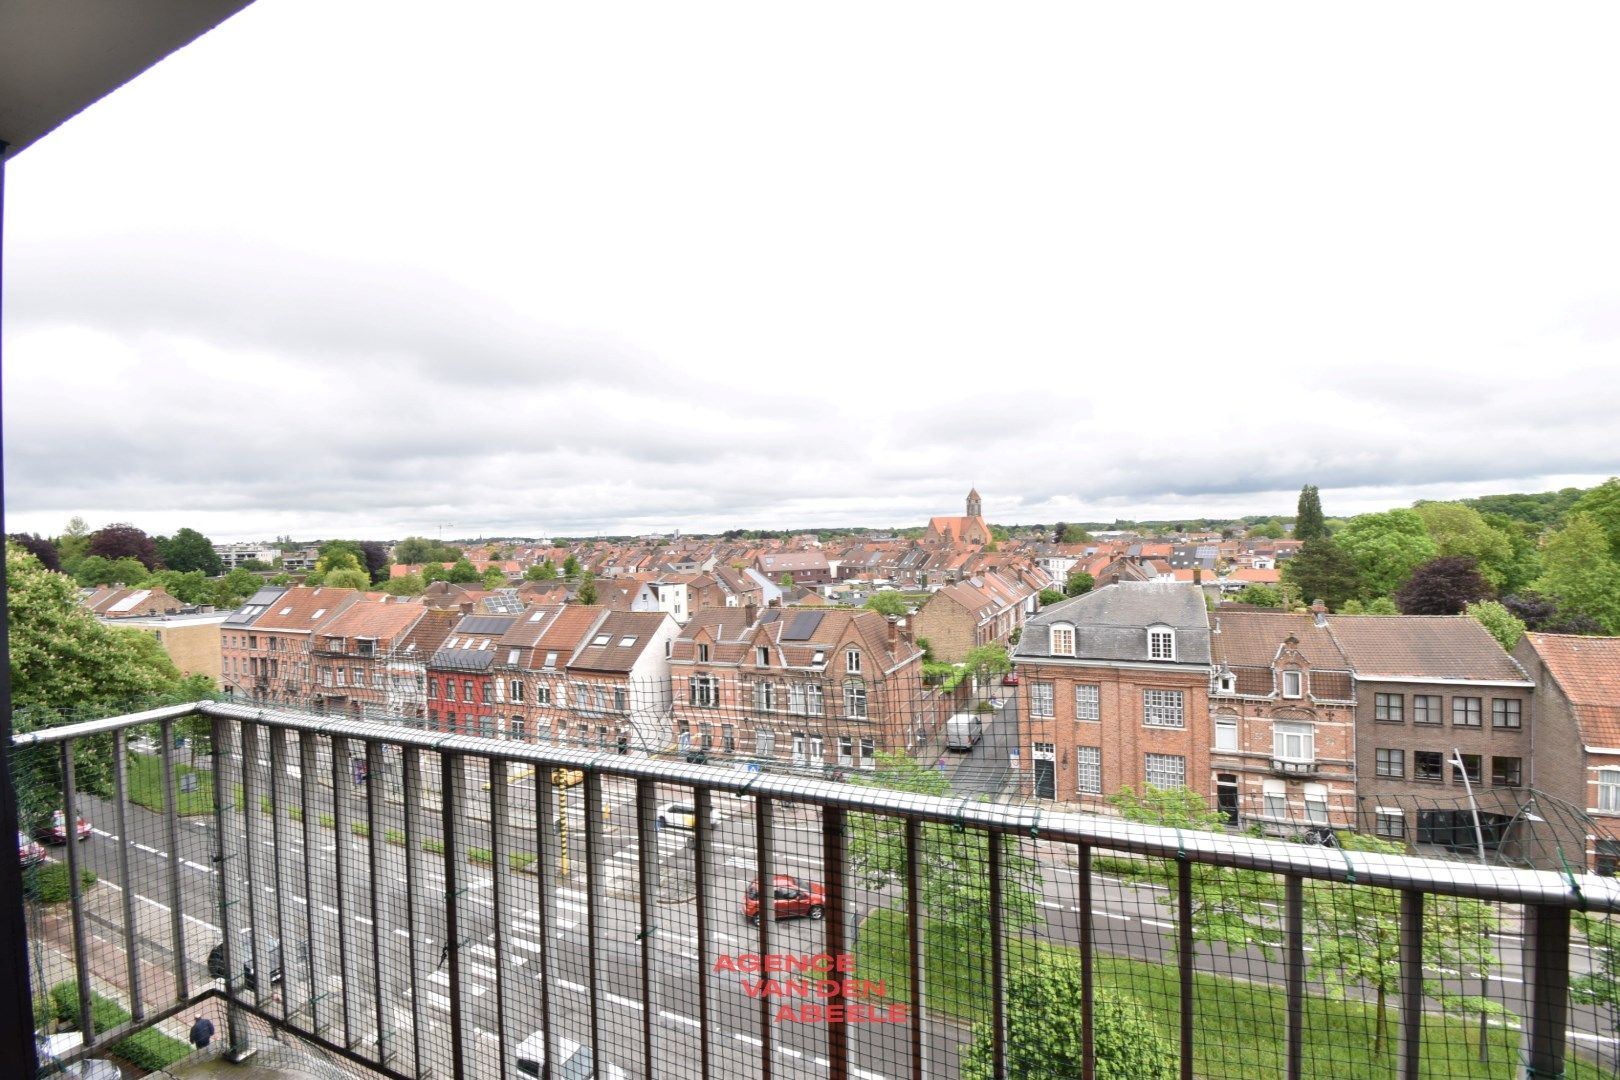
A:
(48, 882)
(149, 1049)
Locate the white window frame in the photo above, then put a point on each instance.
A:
(1062, 639)
(1316, 804)
(1293, 683)
(1042, 700)
(852, 661)
(1171, 767)
(764, 742)
(1164, 708)
(815, 700)
(1293, 740)
(1088, 770)
(1088, 701)
(1161, 643)
(855, 700)
(1226, 733)
(1388, 823)
(1274, 794)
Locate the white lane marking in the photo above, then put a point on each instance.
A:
(1156, 922)
(676, 1018)
(1049, 904)
(574, 986)
(740, 1037)
(1110, 915)
(526, 946)
(189, 865)
(624, 1001)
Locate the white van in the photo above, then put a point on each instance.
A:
(963, 731)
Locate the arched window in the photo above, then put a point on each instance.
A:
(1161, 643)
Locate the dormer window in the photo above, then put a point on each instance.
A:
(702, 653)
(819, 658)
(1062, 639)
(1161, 643)
(852, 661)
(764, 656)
(1226, 683)
(1293, 683)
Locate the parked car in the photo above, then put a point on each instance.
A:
(678, 815)
(244, 957)
(575, 1061)
(794, 898)
(1010, 679)
(29, 852)
(58, 830)
(963, 732)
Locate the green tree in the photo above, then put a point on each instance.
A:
(988, 659)
(463, 573)
(785, 581)
(1308, 522)
(570, 568)
(1049, 597)
(191, 586)
(1045, 1039)
(887, 602)
(235, 587)
(66, 666)
(98, 570)
(1506, 627)
(1378, 605)
(1579, 574)
(404, 585)
(1600, 986)
(545, 571)
(1230, 907)
(1079, 583)
(435, 572)
(1355, 940)
(416, 550)
(125, 541)
(586, 593)
(494, 577)
(1272, 528)
(1385, 548)
(73, 544)
(955, 890)
(189, 549)
(1260, 596)
(348, 577)
(1073, 534)
(1462, 531)
(1602, 504)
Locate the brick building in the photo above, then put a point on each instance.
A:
(1437, 699)
(265, 644)
(813, 689)
(979, 611)
(349, 655)
(1115, 693)
(1282, 704)
(1577, 736)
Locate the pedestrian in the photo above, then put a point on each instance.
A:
(202, 1032)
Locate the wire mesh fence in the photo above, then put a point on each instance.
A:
(423, 903)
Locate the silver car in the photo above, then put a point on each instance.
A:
(575, 1061)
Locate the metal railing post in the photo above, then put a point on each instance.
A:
(646, 876)
(340, 840)
(835, 869)
(1546, 987)
(594, 873)
(171, 813)
(1294, 974)
(137, 1006)
(764, 808)
(500, 874)
(703, 806)
(374, 846)
(411, 779)
(450, 767)
(915, 943)
(1184, 962)
(1088, 975)
(81, 959)
(998, 958)
(1408, 1062)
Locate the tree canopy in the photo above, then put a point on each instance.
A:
(417, 550)
(1602, 504)
(125, 541)
(39, 547)
(1308, 521)
(1579, 574)
(542, 571)
(1502, 624)
(1442, 586)
(1321, 571)
(887, 602)
(1385, 549)
(586, 593)
(1079, 583)
(1459, 530)
(189, 550)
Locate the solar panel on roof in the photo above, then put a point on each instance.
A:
(771, 615)
(803, 627)
(484, 624)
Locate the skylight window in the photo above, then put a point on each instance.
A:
(551, 659)
(601, 639)
(512, 656)
(318, 613)
(451, 643)
(626, 642)
(537, 616)
(285, 611)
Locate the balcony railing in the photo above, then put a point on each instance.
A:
(423, 904)
(1294, 766)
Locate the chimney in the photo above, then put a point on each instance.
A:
(1319, 612)
(894, 633)
(750, 613)
(1217, 625)
(1198, 575)
(466, 607)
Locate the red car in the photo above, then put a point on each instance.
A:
(1010, 679)
(29, 853)
(793, 899)
(58, 830)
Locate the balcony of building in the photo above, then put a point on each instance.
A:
(351, 898)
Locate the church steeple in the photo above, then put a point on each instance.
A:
(974, 508)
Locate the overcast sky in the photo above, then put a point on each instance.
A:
(375, 269)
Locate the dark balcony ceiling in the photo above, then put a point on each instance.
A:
(59, 56)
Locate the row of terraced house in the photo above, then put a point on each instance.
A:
(809, 688)
(1421, 730)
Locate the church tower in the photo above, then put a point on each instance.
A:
(974, 509)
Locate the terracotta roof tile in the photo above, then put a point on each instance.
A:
(1587, 670)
